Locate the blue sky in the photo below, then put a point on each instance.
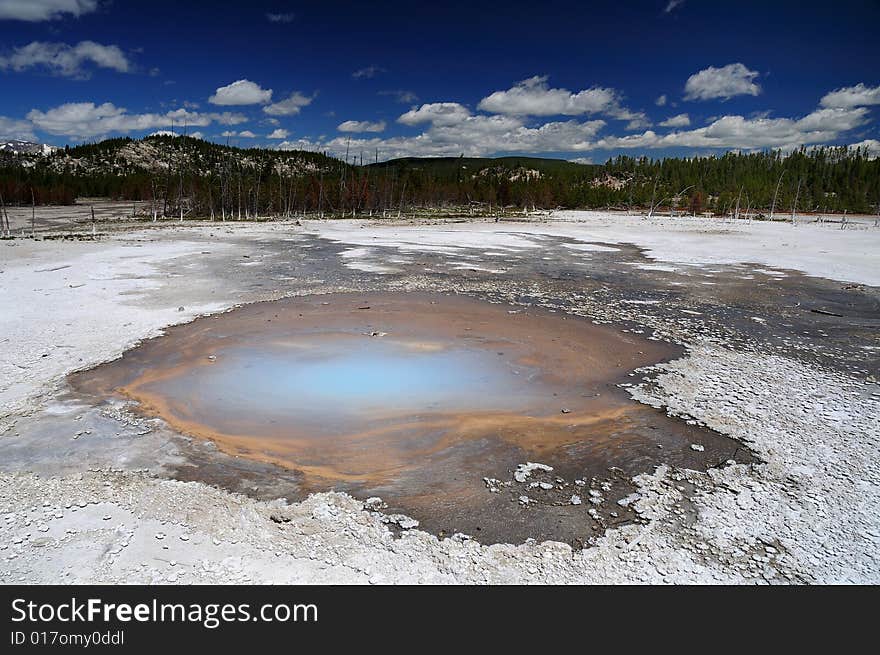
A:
(578, 80)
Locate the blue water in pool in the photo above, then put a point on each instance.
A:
(345, 378)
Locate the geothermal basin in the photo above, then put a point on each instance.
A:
(428, 401)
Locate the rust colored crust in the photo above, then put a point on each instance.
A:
(578, 364)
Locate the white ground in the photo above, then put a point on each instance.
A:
(811, 514)
(823, 250)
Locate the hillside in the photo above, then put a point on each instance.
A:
(19, 147)
(161, 166)
(161, 153)
(197, 178)
(473, 165)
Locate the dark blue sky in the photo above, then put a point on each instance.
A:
(734, 75)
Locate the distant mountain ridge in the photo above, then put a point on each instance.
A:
(20, 147)
(474, 165)
(162, 153)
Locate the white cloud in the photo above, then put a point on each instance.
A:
(438, 113)
(661, 101)
(40, 10)
(450, 128)
(638, 123)
(300, 144)
(681, 120)
(872, 146)
(183, 117)
(852, 96)
(582, 160)
(241, 92)
(66, 60)
(289, 106)
(831, 120)
(227, 118)
(820, 126)
(13, 128)
(725, 83)
(86, 119)
(361, 126)
(533, 97)
(280, 18)
(673, 5)
(453, 130)
(194, 135)
(368, 72)
(401, 95)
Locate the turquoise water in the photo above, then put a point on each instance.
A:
(349, 378)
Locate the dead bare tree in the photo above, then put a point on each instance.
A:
(211, 196)
(168, 171)
(738, 199)
(180, 173)
(4, 216)
(794, 205)
(402, 196)
(630, 183)
(224, 181)
(153, 198)
(257, 196)
(239, 191)
(321, 195)
(653, 196)
(342, 186)
(282, 206)
(674, 198)
(775, 194)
